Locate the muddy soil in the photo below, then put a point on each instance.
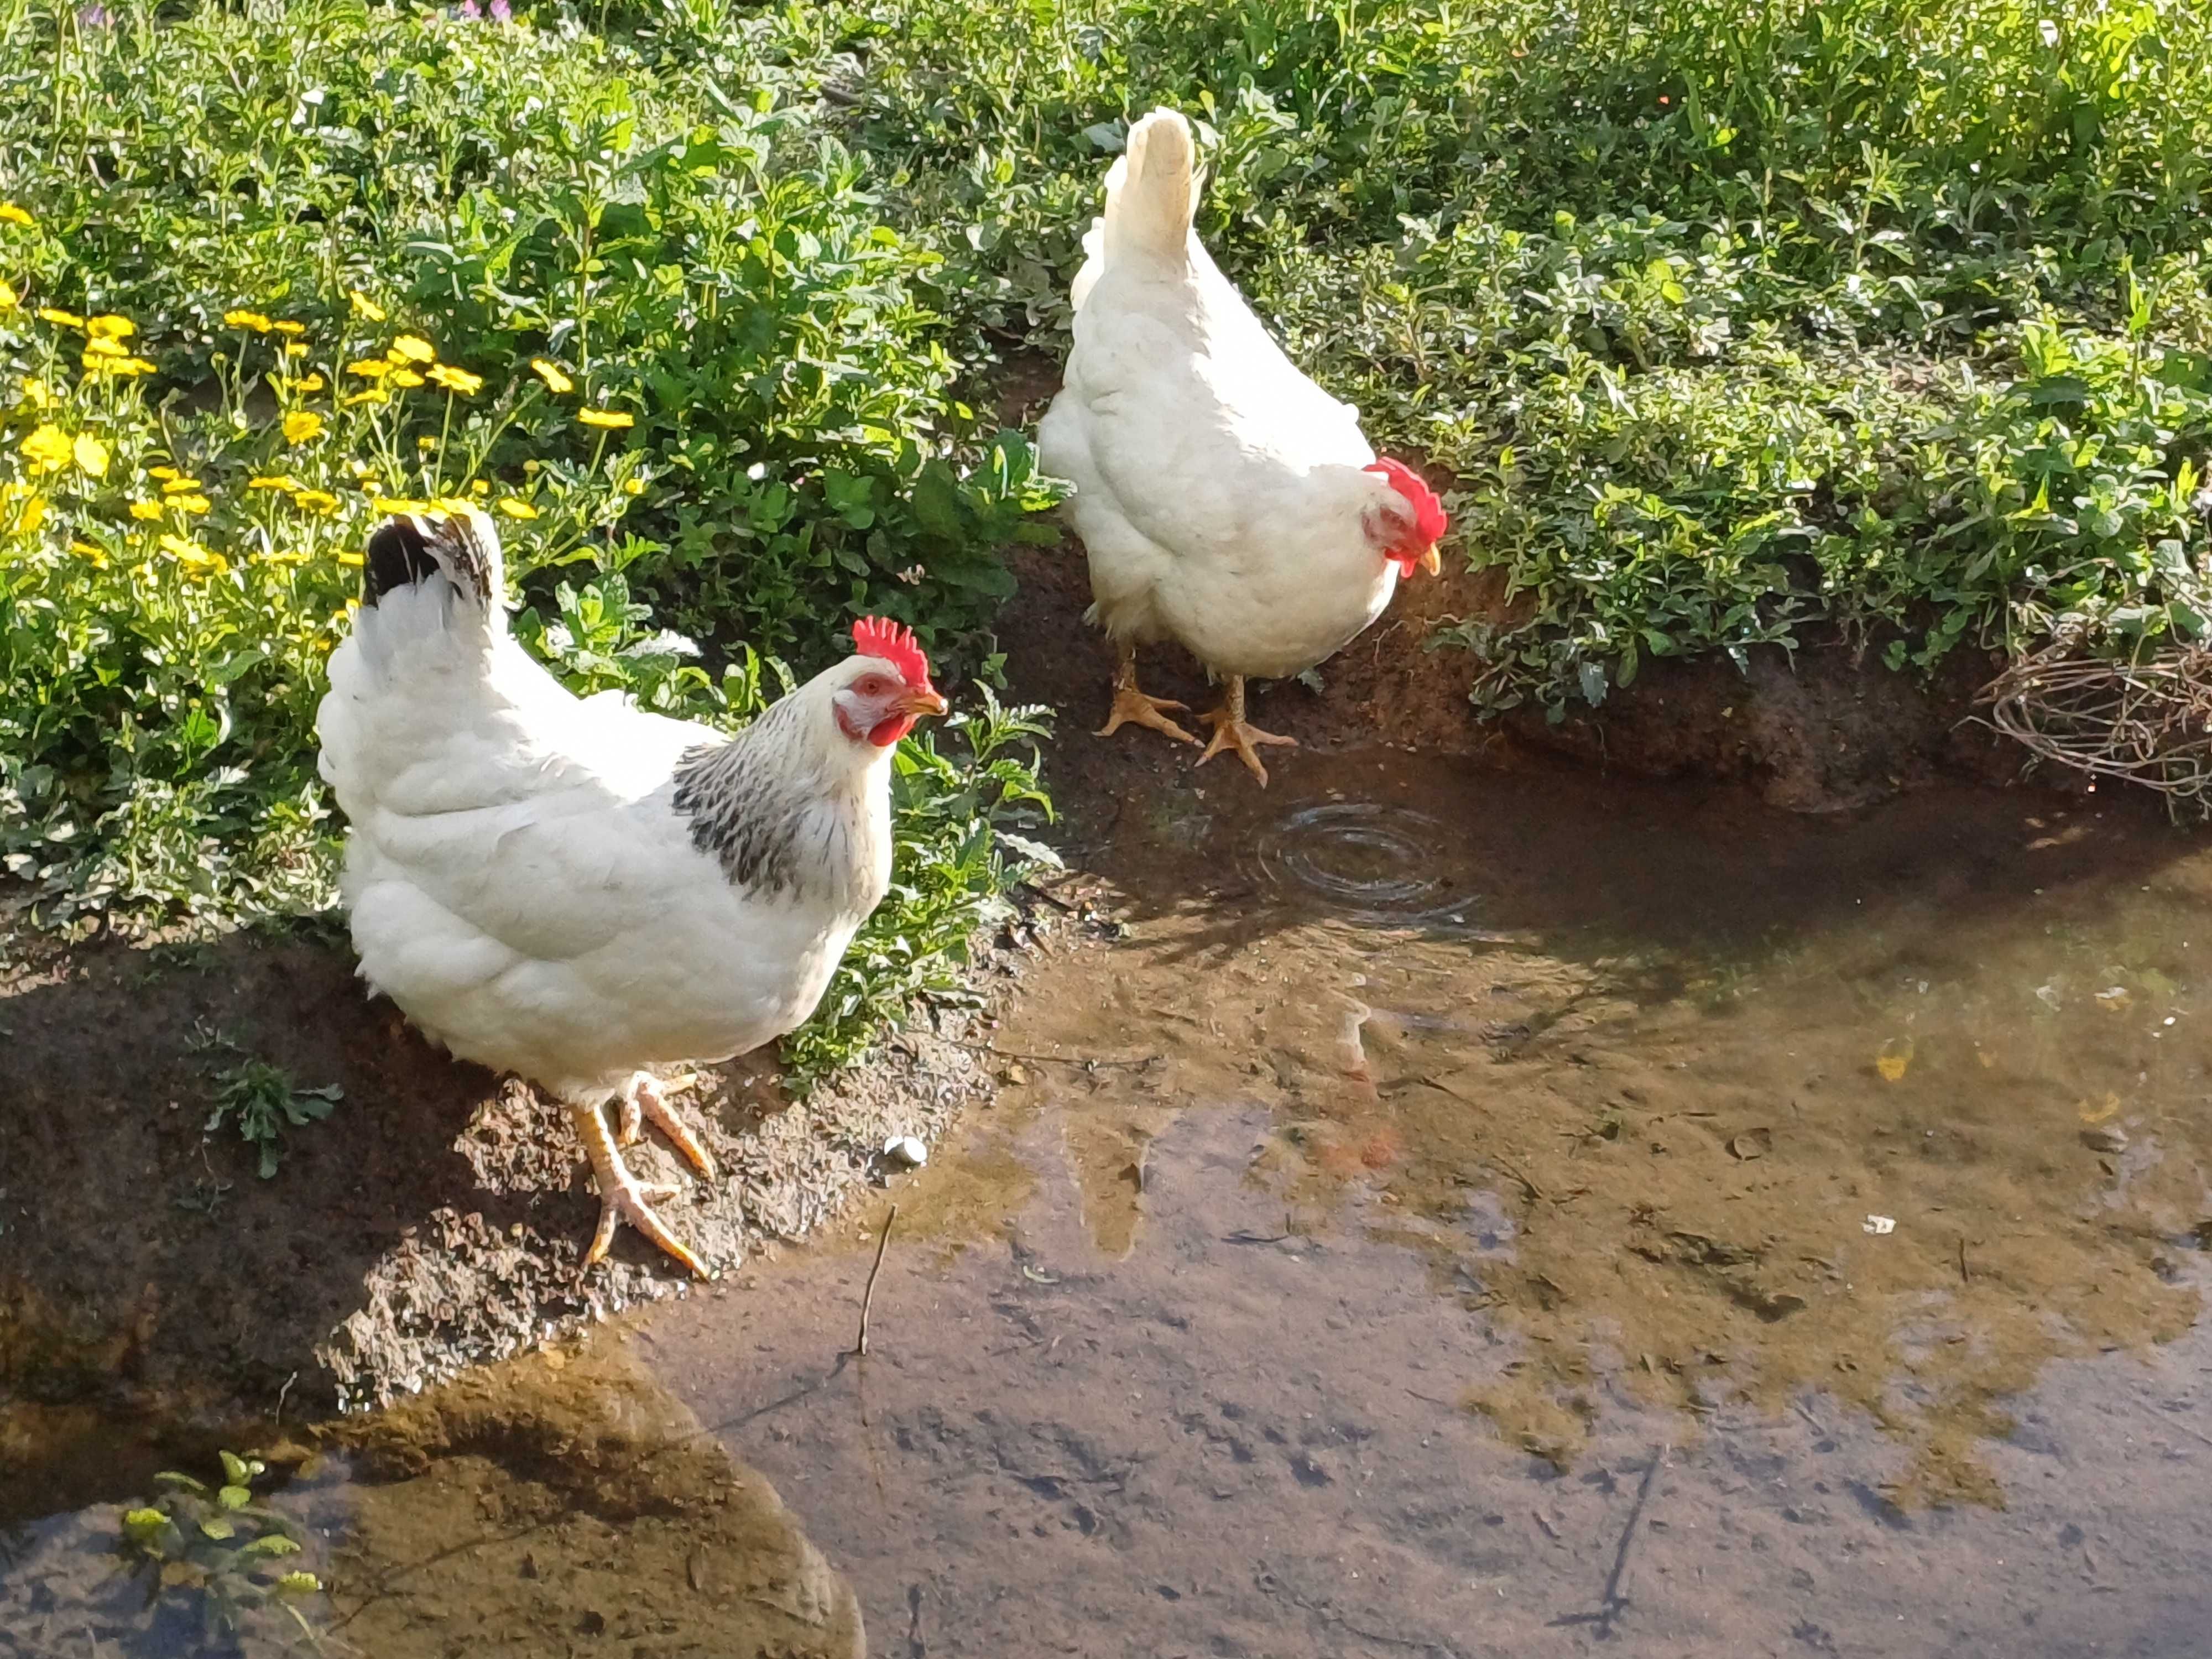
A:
(435, 1220)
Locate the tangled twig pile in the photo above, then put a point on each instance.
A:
(2147, 718)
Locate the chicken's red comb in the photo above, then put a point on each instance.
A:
(1428, 510)
(879, 636)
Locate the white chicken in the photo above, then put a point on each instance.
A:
(573, 890)
(1226, 501)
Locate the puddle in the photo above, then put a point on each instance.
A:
(559, 1504)
(1438, 1213)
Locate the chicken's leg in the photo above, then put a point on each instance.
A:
(647, 1098)
(1132, 706)
(622, 1197)
(1232, 730)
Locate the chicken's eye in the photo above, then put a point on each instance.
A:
(872, 685)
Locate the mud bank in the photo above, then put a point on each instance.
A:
(435, 1220)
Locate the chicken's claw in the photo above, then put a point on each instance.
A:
(1232, 730)
(622, 1197)
(647, 1097)
(1133, 708)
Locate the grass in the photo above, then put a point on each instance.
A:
(1732, 323)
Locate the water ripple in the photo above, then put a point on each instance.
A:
(1383, 865)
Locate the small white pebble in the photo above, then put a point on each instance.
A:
(1879, 1225)
(908, 1150)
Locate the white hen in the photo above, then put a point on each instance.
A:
(1224, 499)
(573, 890)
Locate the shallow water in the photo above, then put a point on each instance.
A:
(1435, 1213)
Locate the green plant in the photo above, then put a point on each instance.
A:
(262, 1100)
(222, 1545)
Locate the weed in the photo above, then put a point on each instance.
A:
(219, 1543)
(261, 1101)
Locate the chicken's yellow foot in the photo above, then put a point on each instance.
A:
(647, 1097)
(1232, 730)
(622, 1197)
(1133, 708)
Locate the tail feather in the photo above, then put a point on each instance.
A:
(462, 548)
(1152, 191)
(426, 584)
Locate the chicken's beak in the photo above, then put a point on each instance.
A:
(1433, 561)
(919, 701)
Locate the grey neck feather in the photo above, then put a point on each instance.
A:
(778, 820)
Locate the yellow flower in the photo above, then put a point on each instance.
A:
(633, 486)
(406, 377)
(87, 550)
(457, 379)
(276, 481)
(287, 326)
(287, 558)
(611, 420)
(175, 483)
(48, 449)
(449, 504)
(111, 328)
(164, 473)
(365, 306)
(15, 215)
(295, 348)
(311, 383)
(132, 366)
(550, 373)
(375, 394)
(96, 347)
(479, 488)
(190, 503)
(515, 507)
(9, 298)
(193, 556)
(370, 368)
(60, 318)
(352, 558)
(397, 504)
(36, 393)
(30, 515)
(146, 511)
(252, 319)
(412, 348)
(91, 455)
(302, 425)
(317, 500)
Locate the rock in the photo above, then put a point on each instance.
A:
(2103, 1139)
(908, 1150)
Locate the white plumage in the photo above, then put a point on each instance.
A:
(1225, 500)
(573, 890)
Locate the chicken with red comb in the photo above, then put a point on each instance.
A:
(1225, 502)
(574, 890)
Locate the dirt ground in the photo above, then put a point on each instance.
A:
(435, 1220)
